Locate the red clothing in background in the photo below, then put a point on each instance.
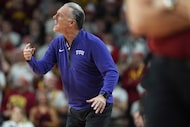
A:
(173, 46)
(13, 97)
(42, 118)
(130, 79)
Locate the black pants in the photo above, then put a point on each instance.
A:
(88, 117)
(167, 101)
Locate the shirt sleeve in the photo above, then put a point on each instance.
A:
(105, 65)
(45, 64)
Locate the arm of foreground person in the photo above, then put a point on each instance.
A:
(151, 18)
(183, 8)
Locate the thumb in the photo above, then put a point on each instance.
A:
(33, 50)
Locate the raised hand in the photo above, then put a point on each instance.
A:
(28, 52)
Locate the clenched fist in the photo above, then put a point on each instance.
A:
(28, 52)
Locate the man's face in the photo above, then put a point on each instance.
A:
(62, 19)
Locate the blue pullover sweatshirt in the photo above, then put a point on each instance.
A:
(87, 69)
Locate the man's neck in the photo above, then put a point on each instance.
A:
(71, 36)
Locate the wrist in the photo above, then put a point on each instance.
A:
(105, 95)
(28, 60)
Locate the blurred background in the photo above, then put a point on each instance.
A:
(40, 100)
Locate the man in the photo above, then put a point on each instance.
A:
(166, 25)
(88, 72)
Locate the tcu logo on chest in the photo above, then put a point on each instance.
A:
(80, 52)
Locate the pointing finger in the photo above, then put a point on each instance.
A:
(27, 46)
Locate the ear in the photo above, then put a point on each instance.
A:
(72, 22)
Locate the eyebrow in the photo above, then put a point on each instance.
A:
(58, 12)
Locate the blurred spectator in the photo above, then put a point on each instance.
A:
(90, 11)
(84, 3)
(56, 97)
(10, 39)
(2, 84)
(30, 6)
(4, 68)
(50, 4)
(2, 3)
(120, 107)
(19, 95)
(49, 23)
(43, 115)
(4, 64)
(99, 28)
(41, 50)
(38, 16)
(119, 28)
(36, 33)
(109, 10)
(131, 79)
(131, 41)
(110, 43)
(25, 39)
(18, 118)
(18, 69)
(1, 24)
(123, 61)
(16, 13)
(137, 114)
(138, 119)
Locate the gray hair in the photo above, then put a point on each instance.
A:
(77, 13)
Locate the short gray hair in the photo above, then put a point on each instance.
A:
(78, 13)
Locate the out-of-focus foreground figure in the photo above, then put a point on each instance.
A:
(166, 25)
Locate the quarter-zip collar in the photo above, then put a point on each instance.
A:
(74, 42)
(73, 45)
